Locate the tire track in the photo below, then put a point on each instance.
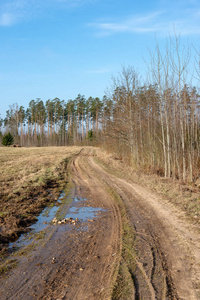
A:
(141, 278)
(84, 181)
(149, 217)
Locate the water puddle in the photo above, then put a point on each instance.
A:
(84, 213)
(43, 221)
(65, 207)
(61, 197)
(44, 218)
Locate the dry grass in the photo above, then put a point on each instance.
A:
(20, 167)
(30, 178)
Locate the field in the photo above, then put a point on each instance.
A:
(119, 234)
(30, 178)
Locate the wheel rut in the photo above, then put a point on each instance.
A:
(161, 247)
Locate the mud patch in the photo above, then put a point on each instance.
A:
(43, 220)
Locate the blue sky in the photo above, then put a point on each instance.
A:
(59, 48)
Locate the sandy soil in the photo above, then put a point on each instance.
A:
(83, 261)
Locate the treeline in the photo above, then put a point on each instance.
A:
(156, 126)
(153, 125)
(55, 122)
(159, 133)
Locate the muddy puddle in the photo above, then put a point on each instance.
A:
(83, 213)
(64, 207)
(43, 220)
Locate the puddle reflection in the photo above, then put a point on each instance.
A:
(83, 213)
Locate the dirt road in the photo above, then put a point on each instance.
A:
(137, 246)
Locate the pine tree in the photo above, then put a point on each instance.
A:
(7, 139)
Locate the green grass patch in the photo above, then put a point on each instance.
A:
(24, 251)
(8, 265)
(123, 285)
(40, 235)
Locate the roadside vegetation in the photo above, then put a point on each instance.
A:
(185, 196)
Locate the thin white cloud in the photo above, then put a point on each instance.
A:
(13, 11)
(187, 22)
(134, 24)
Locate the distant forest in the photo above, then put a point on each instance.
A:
(153, 126)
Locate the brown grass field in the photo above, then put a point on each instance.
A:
(30, 178)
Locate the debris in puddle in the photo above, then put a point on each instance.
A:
(53, 260)
(71, 215)
(65, 221)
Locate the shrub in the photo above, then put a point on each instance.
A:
(7, 139)
(90, 135)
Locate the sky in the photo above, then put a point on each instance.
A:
(60, 48)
